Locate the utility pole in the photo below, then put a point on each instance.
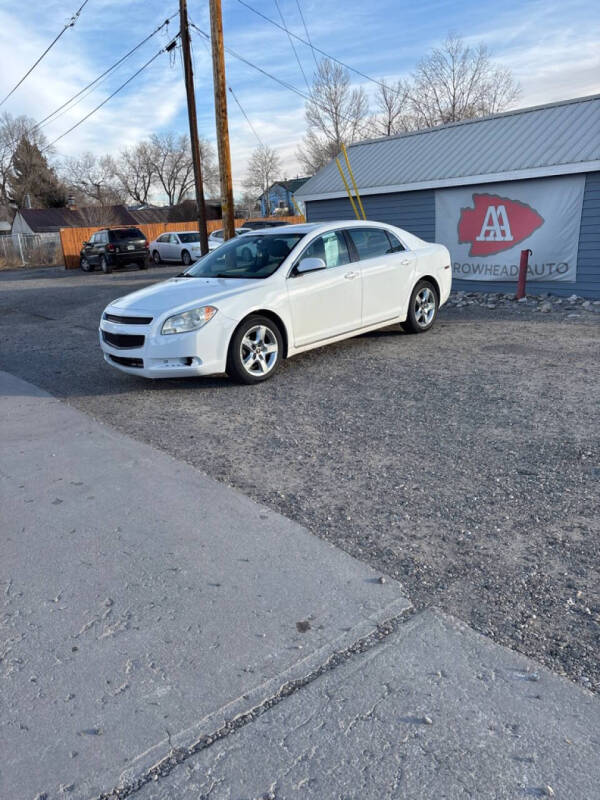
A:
(218, 56)
(193, 120)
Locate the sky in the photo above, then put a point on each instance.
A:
(551, 46)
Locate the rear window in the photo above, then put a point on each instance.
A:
(189, 237)
(126, 233)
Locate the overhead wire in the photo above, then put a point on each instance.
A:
(312, 49)
(292, 45)
(68, 25)
(79, 96)
(308, 44)
(246, 117)
(93, 111)
(283, 83)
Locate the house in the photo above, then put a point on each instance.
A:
(6, 214)
(46, 220)
(487, 188)
(280, 197)
(51, 220)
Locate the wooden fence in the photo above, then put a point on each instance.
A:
(71, 239)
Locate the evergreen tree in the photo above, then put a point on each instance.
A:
(31, 175)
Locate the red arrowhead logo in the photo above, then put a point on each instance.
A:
(495, 224)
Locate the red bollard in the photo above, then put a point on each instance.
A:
(523, 273)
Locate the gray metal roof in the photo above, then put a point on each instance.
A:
(554, 139)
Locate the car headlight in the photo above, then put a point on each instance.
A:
(189, 320)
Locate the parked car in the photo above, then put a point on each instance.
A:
(114, 247)
(180, 246)
(269, 295)
(216, 237)
(259, 224)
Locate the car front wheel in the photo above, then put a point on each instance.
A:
(85, 264)
(422, 309)
(255, 351)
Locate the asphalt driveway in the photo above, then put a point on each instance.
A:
(464, 462)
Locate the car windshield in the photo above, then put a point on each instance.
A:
(126, 233)
(189, 237)
(249, 256)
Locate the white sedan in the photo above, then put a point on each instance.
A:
(273, 293)
(216, 238)
(180, 246)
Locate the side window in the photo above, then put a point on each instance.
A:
(396, 244)
(331, 247)
(164, 238)
(173, 239)
(104, 237)
(370, 242)
(92, 239)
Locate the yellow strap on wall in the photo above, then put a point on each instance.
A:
(297, 207)
(354, 208)
(353, 182)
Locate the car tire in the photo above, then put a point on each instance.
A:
(186, 258)
(105, 266)
(422, 309)
(248, 361)
(156, 257)
(85, 264)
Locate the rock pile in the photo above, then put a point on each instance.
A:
(544, 303)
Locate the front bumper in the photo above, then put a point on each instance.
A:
(180, 355)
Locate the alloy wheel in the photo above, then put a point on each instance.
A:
(259, 350)
(425, 306)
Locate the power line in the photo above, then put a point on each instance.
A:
(312, 49)
(283, 83)
(100, 77)
(69, 24)
(252, 128)
(292, 44)
(308, 44)
(93, 111)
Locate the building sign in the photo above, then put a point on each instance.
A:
(486, 227)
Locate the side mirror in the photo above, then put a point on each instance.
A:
(84, 244)
(310, 265)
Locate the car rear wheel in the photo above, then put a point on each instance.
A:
(422, 309)
(186, 258)
(255, 351)
(106, 267)
(85, 264)
(156, 257)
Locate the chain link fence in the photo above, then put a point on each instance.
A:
(31, 250)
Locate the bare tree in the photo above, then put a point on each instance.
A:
(335, 115)
(263, 168)
(459, 82)
(392, 109)
(91, 180)
(171, 160)
(135, 172)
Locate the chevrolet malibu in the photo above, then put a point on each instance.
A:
(273, 293)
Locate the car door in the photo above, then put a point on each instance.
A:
(387, 272)
(97, 249)
(326, 302)
(174, 247)
(161, 246)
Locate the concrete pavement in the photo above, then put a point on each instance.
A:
(165, 637)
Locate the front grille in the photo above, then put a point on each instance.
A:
(127, 362)
(128, 320)
(123, 340)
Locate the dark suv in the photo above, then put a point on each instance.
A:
(114, 247)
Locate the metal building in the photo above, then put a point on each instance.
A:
(487, 189)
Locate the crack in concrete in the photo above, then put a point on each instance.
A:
(178, 756)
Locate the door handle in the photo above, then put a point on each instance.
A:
(351, 275)
(405, 261)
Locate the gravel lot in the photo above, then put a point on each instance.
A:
(464, 462)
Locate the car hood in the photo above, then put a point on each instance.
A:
(180, 292)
